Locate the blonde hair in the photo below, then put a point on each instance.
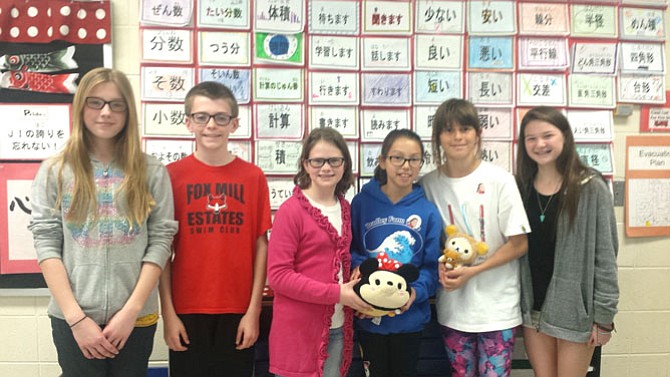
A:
(128, 155)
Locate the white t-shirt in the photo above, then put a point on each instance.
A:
(487, 205)
(334, 215)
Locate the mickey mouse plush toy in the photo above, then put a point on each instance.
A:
(385, 284)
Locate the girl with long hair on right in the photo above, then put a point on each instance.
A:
(569, 276)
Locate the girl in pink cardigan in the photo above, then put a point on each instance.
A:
(309, 263)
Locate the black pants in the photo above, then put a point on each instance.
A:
(212, 350)
(131, 361)
(393, 355)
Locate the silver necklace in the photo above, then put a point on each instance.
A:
(539, 203)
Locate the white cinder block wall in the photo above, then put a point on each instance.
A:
(640, 348)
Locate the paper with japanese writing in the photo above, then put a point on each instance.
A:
(166, 83)
(224, 48)
(387, 17)
(429, 162)
(278, 156)
(369, 158)
(167, 151)
(343, 119)
(386, 89)
(543, 19)
(438, 52)
(597, 155)
(594, 91)
(279, 121)
(376, 124)
(281, 49)
(333, 88)
(386, 54)
(279, 190)
(491, 17)
(237, 80)
(434, 87)
(594, 58)
(541, 89)
(165, 120)
(283, 16)
(17, 251)
(641, 89)
(591, 125)
(174, 13)
(643, 23)
(440, 16)
(643, 58)
(333, 52)
(241, 149)
(33, 131)
(277, 84)
(543, 53)
(496, 53)
(496, 123)
(593, 21)
(498, 153)
(223, 14)
(490, 88)
(167, 46)
(333, 17)
(423, 121)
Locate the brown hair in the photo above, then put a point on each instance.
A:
(449, 112)
(331, 136)
(213, 90)
(568, 164)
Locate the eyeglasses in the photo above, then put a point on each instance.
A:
(221, 119)
(97, 103)
(334, 162)
(399, 161)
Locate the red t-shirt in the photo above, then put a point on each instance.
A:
(222, 210)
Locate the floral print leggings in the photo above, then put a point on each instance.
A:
(485, 354)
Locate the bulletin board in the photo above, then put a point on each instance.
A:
(647, 203)
(367, 67)
(45, 48)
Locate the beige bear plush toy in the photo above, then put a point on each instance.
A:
(460, 249)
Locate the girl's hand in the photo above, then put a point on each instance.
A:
(355, 274)
(409, 303)
(455, 279)
(348, 297)
(91, 340)
(442, 274)
(119, 328)
(599, 337)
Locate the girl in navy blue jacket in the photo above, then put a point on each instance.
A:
(391, 215)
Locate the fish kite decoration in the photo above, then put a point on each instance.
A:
(60, 60)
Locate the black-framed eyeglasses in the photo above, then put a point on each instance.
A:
(221, 119)
(334, 162)
(97, 103)
(399, 161)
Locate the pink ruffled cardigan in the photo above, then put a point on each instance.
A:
(304, 257)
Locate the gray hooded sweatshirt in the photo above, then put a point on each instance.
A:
(102, 257)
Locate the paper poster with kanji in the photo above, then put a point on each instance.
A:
(17, 253)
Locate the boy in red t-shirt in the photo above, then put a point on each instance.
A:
(211, 291)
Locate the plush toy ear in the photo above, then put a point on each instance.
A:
(369, 266)
(482, 248)
(451, 230)
(409, 272)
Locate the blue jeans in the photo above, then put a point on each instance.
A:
(132, 360)
(331, 368)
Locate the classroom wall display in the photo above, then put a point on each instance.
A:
(368, 67)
